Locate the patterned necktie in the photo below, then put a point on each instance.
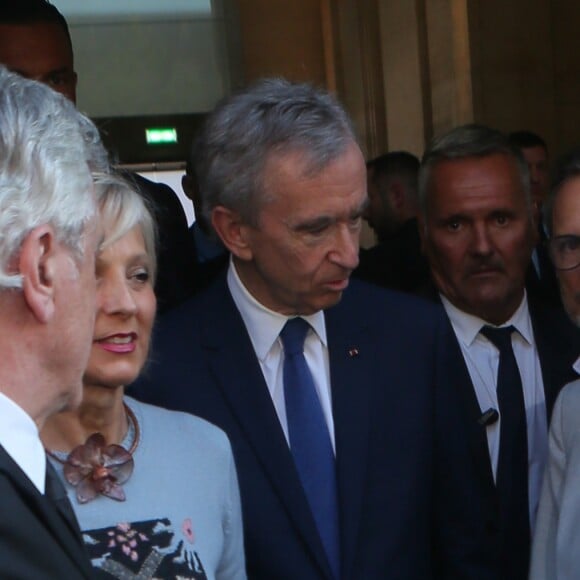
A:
(310, 440)
(512, 468)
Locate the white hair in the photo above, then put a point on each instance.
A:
(47, 151)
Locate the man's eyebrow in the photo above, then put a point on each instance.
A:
(455, 217)
(313, 224)
(574, 237)
(502, 211)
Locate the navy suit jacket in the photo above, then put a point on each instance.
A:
(36, 541)
(396, 507)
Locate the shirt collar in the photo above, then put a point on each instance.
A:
(467, 326)
(20, 439)
(264, 325)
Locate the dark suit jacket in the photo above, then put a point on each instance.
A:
(396, 262)
(383, 368)
(544, 288)
(558, 345)
(35, 539)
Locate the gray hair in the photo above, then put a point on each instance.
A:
(46, 148)
(273, 116)
(121, 209)
(468, 141)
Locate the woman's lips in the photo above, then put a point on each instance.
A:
(121, 343)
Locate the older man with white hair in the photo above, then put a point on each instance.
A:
(49, 237)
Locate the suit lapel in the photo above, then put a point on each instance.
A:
(352, 356)
(461, 383)
(47, 514)
(55, 492)
(234, 364)
(460, 380)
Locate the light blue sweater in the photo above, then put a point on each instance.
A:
(182, 515)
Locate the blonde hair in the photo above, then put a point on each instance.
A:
(121, 209)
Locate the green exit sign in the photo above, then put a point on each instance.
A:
(161, 136)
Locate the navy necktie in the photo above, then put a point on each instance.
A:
(512, 468)
(310, 440)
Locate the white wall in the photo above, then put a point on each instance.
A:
(86, 9)
(148, 57)
(173, 179)
(148, 67)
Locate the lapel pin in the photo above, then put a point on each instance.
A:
(352, 352)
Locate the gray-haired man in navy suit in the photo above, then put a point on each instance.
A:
(328, 388)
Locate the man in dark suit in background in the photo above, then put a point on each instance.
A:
(35, 42)
(535, 153)
(210, 256)
(50, 236)
(541, 278)
(315, 378)
(392, 189)
(478, 232)
(396, 260)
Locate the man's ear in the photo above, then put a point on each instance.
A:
(232, 231)
(37, 264)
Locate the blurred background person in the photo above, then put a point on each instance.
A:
(535, 153)
(50, 233)
(392, 190)
(556, 547)
(541, 278)
(396, 261)
(210, 256)
(174, 473)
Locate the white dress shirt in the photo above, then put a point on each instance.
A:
(482, 359)
(20, 439)
(264, 327)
